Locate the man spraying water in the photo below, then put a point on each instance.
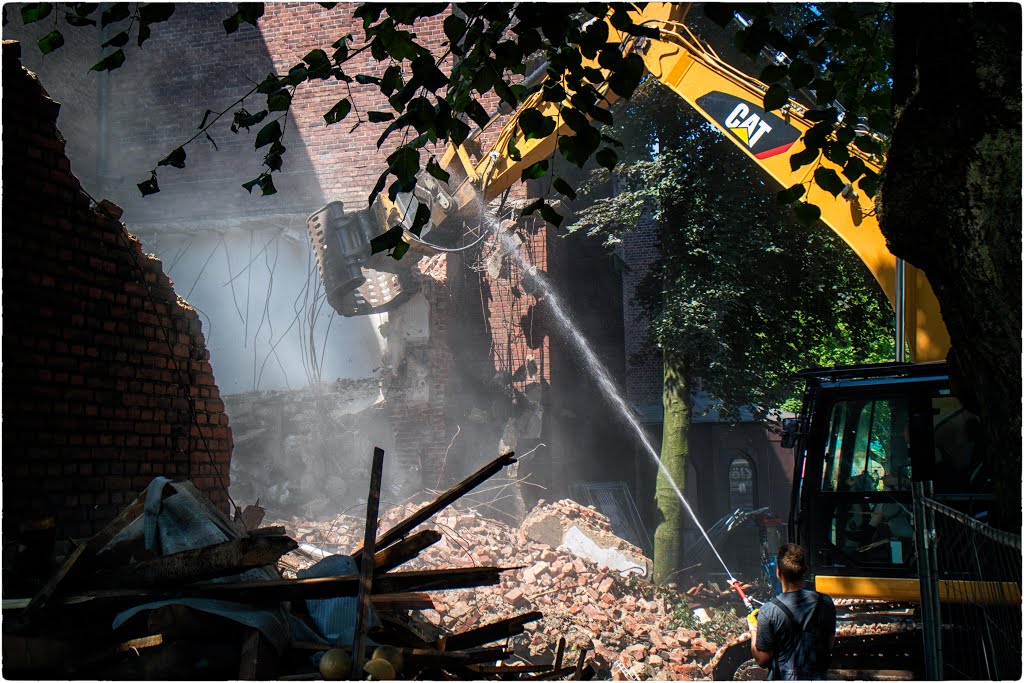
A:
(792, 634)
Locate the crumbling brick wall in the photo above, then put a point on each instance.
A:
(106, 377)
(641, 249)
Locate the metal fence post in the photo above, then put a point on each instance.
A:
(924, 540)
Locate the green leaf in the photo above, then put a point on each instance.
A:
(607, 158)
(425, 70)
(563, 187)
(806, 213)
(503, 91)
(268, 85)
(535, 125)
(150, 186)
(867, 144)
(296, 75)
(550, 215)
(405, 162)
(420, 220)
(535, 171)
(76, 20)
(458, 131)
(388, 240)
(513, 152)
(880, 121)
(35, 12)
(244, 119)
(773, 73)
(533, 207)
(155, 12)
(84, 9)
(837, 152)
(319, 64)
(626, 77)
(824, 91)
(379, 116)
(392, 80)
(720, 13)
(250, 12)
(829, 180)
(144, 33)
(231, 25)
(818, 134)
(553, 91)
(119, 11)
(854, 169)
(50, 42)
(434, 169)
(476, 112)
(268, 133)
(112, 61)
(776, 97)
(454, 28)
(845, 134)
(265, 182)
(792, 194)
(279, 101)
(800, 73)
(399, 251)
(338, 112)
(817, 115)
(363, 79)
(119, 40)
(273, 162)
(805, 156)
(176, 159)
(869, 183)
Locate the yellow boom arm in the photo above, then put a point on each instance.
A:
(732, 102)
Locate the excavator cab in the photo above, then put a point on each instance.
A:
(864, 435)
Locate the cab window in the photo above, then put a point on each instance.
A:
(866, 448)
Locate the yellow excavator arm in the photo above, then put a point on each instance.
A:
(732, 101)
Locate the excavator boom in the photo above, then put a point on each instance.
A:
(732, 102)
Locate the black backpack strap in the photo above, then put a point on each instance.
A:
(811, 621)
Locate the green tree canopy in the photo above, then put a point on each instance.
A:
(743, 295)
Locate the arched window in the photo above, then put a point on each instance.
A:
(742, 484)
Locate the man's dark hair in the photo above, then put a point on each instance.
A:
(791, 561)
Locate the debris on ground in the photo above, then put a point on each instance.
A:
(616, 616)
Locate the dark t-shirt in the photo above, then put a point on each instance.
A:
(774, 632)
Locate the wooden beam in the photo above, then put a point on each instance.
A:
(212, 561)
(441, 502)
(488, 633)
(279, 590)
(366, 570)
(404, 550)
(258, 661)
(401, 601)
(87, 549)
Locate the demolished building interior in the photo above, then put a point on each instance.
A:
(183, 501)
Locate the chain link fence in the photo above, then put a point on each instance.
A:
(971, 582)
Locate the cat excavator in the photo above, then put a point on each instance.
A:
(854, 462)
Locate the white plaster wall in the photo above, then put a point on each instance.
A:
(262, 307)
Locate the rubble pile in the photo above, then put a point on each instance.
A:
(615, 615)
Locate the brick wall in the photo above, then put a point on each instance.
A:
(157, 98)
(106, 378)
(640, 249)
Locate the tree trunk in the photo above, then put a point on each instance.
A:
(951, 205)
(668, 537)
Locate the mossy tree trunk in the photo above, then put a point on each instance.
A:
(668, 537)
